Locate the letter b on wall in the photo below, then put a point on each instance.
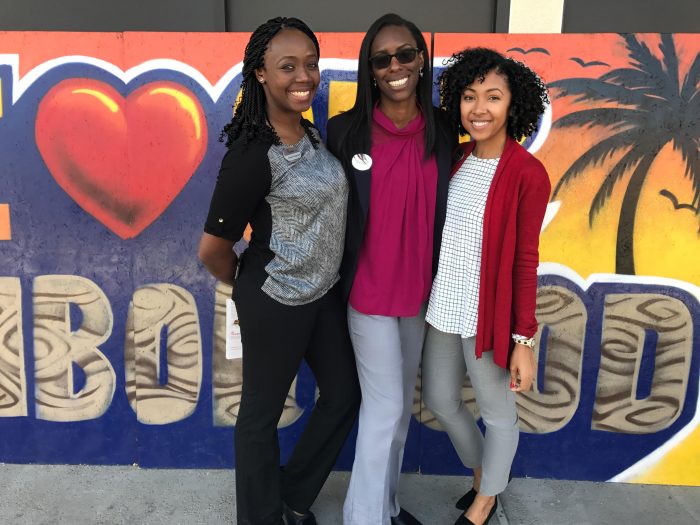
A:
(57, 347)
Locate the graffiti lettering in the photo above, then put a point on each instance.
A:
(630, 323)
(57, 347)
(13, 401)
(156, 308)
(562, 316)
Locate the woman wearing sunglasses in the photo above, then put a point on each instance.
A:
(396, 151)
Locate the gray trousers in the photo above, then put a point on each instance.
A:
(446, 358)
(387, 353)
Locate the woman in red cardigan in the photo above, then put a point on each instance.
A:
(481, 312)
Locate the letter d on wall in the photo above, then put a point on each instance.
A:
(57, 347)
(627, 319)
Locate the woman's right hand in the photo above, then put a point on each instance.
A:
(218, 257)
(522, 368)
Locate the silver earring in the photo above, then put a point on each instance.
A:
(374, 82)
(261, 80)
(421, 72)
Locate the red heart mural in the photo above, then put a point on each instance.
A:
(123, 160)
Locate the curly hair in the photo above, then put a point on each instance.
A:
(528, 92)
(250, 116)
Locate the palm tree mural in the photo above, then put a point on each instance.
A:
(644, 107)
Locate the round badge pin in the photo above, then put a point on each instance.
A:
(361, 162)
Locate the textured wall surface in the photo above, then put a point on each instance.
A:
(111, 333)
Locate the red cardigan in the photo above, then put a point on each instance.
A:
(515, 207)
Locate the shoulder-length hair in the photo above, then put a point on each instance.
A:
(528, 91)
(359, 136)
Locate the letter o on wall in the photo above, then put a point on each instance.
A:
(555, 395)
(153, 308)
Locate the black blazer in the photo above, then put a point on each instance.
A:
(359, 181)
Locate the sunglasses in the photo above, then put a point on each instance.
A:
(403, 56)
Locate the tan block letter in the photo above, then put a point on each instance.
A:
(156, 307)
(554, 399)
(57, 347)
(626, 319)
(13, 382)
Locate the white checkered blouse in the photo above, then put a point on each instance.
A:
(454, 299)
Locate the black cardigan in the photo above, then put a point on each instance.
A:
(359, 181)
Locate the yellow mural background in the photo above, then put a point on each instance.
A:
(666, 240)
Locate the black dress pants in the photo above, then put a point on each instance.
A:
(276, 337)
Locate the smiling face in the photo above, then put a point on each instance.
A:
(397, 82)
(290, 75)
(484, 113)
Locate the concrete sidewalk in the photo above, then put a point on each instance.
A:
(58, 495)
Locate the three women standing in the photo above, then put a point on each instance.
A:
(278, 176)
(396, 149)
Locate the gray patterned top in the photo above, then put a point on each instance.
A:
(308, 203)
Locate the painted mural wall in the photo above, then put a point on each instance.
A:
(112, 335)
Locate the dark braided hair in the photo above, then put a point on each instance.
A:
(528, 93)
(250, 116)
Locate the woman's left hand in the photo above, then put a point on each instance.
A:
(522, 368)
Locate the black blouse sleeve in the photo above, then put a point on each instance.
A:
(243, 183)
(331, 136)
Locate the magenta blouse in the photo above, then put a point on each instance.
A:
(394, 271)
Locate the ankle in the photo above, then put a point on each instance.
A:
(484, 502)
(476, 481)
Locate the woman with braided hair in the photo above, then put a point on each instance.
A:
(481, 313)
(278, 176)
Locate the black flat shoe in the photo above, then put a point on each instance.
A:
(463, 520)
(295, 519)
(404, 518)
(465, 501)
(492, 512)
